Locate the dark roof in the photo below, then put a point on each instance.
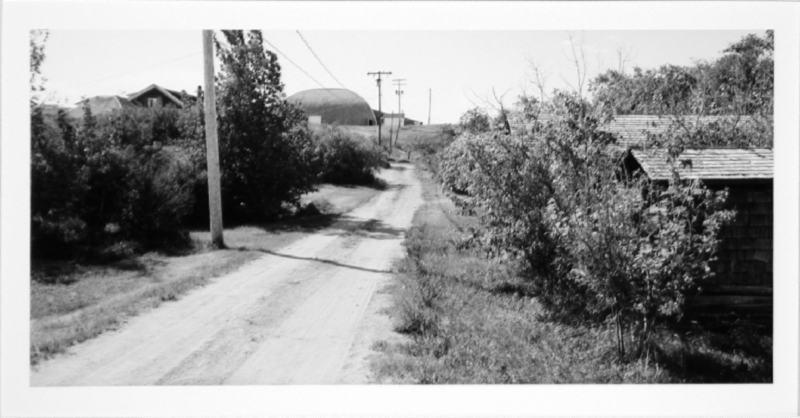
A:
(340, 106)
(632, 130)
(172, 95)
(708, 164)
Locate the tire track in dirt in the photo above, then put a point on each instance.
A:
(296, 315)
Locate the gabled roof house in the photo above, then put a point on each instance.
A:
(150, 96)
(155, 95)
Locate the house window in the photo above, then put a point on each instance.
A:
(153, 101)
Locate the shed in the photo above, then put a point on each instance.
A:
(743, 270)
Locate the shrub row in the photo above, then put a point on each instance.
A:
(137, 176)
(596, 244)
(117, 178)
(340, 159)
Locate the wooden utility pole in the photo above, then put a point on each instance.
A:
(398, 82)
(377, 75)
(212, 147)
(429, 106)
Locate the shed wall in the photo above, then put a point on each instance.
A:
(745, 252)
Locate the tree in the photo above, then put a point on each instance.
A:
(265, 148)
(739, 82)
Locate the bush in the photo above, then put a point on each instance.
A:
(59, 184)
(596, 245)
(475, 121)
(266, 151)
(343, 160)
(124, 176)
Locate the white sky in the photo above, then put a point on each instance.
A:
(456, 65)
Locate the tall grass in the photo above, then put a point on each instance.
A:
(470, 319)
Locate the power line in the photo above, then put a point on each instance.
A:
(318, 59)
(325, 89)
(140, 70)
(293, 63)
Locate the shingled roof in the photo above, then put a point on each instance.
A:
(171, 95)
(631, 130)
(708, 164)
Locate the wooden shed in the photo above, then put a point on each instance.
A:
(744, 267)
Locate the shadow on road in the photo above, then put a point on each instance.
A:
(319, 260)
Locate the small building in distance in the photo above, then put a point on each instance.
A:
(743, 270)
(393, 120)
(334, 106)
(151, 96)
(155, 96)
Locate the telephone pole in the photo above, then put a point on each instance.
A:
(377, 75)
(398, 82)
(429, 106)
(212, 148)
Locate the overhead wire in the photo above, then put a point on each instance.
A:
(139, 70)
(325, 67)
(293, 63)
(283, 54)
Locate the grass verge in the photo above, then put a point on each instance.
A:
(469, 319)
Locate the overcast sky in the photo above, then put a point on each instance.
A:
(461, 67)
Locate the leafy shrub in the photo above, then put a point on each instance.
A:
(343, 160)
(266, 151)
(685, 132)
(596, 244)
(124, 176)
(58, 185)
(475, 121)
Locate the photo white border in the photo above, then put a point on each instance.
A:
(17, 398)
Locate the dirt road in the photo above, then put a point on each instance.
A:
(307, 313)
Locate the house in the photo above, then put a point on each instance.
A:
(151, 96)
(743, 270)
(155, 96)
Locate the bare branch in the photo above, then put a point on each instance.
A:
(539, 79)
(579, 61)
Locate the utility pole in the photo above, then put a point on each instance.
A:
(429, 106)
(212, 148)
(398, 82)
(377, 75)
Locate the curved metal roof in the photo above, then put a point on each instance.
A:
(335, 106)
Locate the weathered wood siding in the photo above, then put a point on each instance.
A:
(745, 254)
(743, 270)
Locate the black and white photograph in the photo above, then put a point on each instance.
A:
(295, 205)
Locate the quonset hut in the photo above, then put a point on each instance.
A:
(334, 106)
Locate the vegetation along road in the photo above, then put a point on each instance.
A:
(306, 313)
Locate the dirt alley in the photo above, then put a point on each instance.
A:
(307, 313)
